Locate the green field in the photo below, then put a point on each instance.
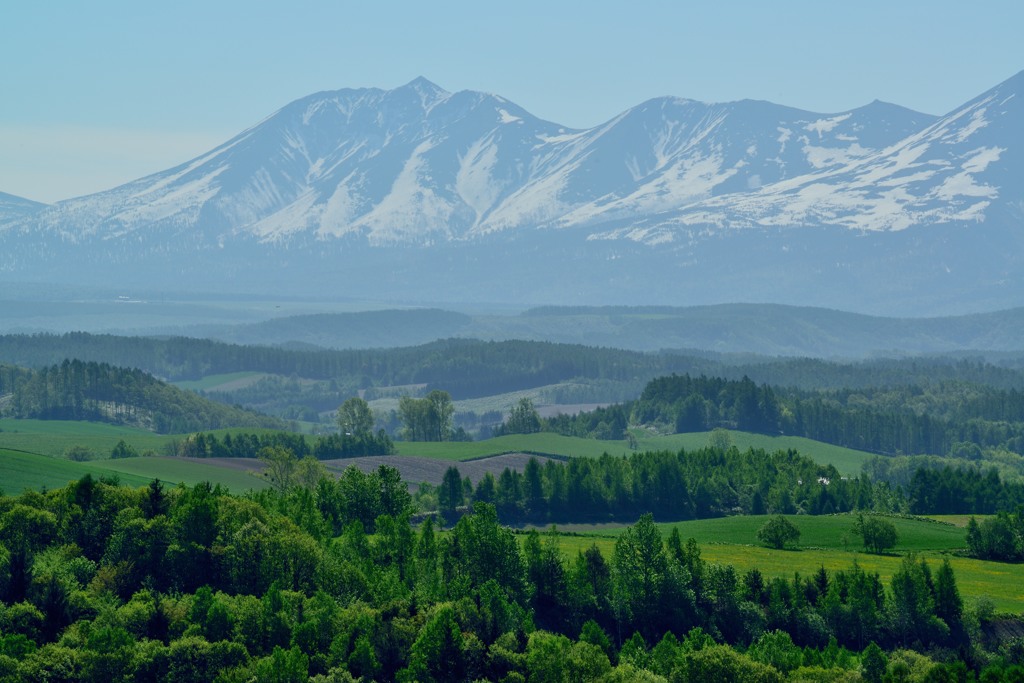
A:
(189, 472)
(827, 532)
(846, 460)
(53, 437)
(20, 471)
(546, 443)
(733, 541)
(221, 382)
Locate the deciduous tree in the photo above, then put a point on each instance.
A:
(777, 532)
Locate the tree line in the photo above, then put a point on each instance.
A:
(715, 482)
(248, 445)
(105, 583)
(885, 422)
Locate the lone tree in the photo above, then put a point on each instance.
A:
(280, 464)
(719, 438)
(449, 494)
(355, 417)
(523, 419)
(878, 534)
(429, 418)
(777, 532)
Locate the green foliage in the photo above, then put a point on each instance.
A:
(684, 485)
(873, 663)
(123, 450)
(997, 538)
(77, 390)
(777, 532)
(79, 454)
(878, 534)
(449, 494)
(102, 582)
(437, 655)
(523, 419)
(721, 663)
(776, 649)
(354, 417)
(719, 438)
(429, 418)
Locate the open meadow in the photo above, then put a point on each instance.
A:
(54, 437)
(20, 471)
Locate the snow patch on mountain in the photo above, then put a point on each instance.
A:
(418, 165)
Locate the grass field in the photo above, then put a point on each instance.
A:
(189, 472)
(225, 382)
(548, 444)
(828, 532)
(846, 460)
(53, 437)
(733, 541)
(20, 471)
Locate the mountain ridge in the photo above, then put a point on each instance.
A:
(426, 180)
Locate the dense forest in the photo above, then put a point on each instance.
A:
(463, 367)
(77, 390)
(468, 368)
(937, 419)
(331, 582)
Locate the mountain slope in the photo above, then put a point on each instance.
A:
(423, 195)
(13, 208)
(418, 164)
(952, 171)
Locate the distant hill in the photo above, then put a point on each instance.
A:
(764, 329)
(77, 390)
(363, 330)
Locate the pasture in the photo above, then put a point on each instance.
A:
(54, 437)
(20, 471)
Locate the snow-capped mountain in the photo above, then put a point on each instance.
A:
(419, 185)
(418, 164)
(14, 208)
(962, 168)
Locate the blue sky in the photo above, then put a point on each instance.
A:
(96, 94)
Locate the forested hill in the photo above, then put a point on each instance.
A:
(77, 390)
(463, 367)
(936, 419)
(468, 368)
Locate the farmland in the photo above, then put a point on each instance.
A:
(418, 461)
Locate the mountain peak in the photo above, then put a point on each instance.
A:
(416, 165)
(423, 86)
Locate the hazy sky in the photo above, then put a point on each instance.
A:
(93, 94)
